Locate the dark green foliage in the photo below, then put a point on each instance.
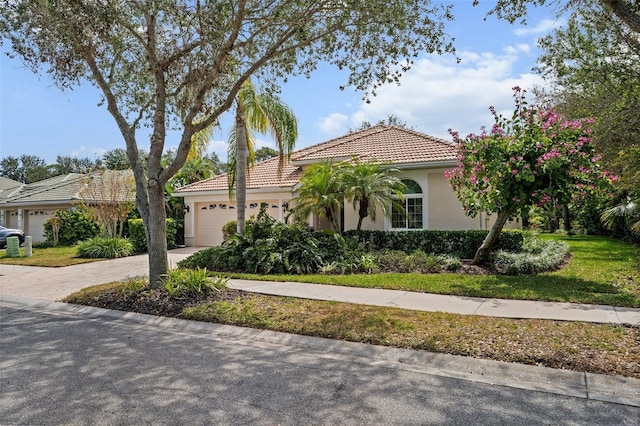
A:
(74, 225)
(138, 237)
(268, 246)
(461, 244)
(105, 248)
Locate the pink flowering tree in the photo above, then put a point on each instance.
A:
(533, 158)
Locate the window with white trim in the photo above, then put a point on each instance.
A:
(412, 217)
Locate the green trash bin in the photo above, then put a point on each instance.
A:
(13, 247)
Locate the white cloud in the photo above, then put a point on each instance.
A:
(543, 27)
(333, 124)
(438, 94)
(219, 147)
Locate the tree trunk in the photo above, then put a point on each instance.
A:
(155, 227)
(241, 170)
(482, 255)
(363, 212)
(566, 218)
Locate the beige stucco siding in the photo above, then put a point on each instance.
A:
(351, 219)
(445, 210)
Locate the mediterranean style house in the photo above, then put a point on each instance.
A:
(429, 201)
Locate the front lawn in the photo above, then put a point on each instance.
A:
(50, 256)
(595, 348)
(601, 271)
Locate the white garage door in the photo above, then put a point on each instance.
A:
(35, 224)
(211, 217)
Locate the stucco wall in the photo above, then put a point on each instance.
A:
(445, 210)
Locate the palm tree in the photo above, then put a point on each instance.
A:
(369, 185)
(629, 211)
(262, 113)
(320, 193)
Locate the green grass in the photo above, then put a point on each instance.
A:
(601, 271)
(597, 348)
(51, 257)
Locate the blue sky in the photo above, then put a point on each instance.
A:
(437, 94)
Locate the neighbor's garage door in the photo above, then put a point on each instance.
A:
(35, 224)
(211, 218)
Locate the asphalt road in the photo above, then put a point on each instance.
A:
(60, 367)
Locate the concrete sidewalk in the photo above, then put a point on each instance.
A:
(441, 303)
(56, 283)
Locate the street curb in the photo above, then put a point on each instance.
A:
(598, 387)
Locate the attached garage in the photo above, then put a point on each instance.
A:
(210, 219)
(211, 216)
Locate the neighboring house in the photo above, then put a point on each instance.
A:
(28, 206)
(430, 202)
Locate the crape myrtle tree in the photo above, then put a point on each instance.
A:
(179, 64)
(533, 158)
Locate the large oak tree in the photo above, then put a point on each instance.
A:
(178, 64)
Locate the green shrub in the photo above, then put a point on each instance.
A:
(365, 263)
(138, 237)
(449, 263)
(537, 256)
(133, 285)
(271, 247)
(462, 244)
(179, 282)
(74, 225)
(416, 262)
(105, 248)
(229, 229)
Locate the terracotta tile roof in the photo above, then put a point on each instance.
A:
(391, 144)
(383, 143)
(262, 175)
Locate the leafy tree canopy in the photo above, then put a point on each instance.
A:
(265, 153)
(116, 159)
(25, 169)
(67, 164)
(180, 63)
(392, 120)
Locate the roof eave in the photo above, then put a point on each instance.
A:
(287, 188)
(426, 165)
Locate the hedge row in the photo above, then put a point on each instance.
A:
(462, 244)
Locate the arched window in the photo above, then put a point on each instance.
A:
(411, 218)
